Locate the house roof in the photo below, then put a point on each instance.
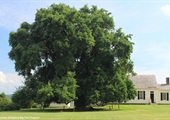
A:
(144, 81)
(163, 86)
(148, 81)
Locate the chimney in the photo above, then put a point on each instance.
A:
(167, 80)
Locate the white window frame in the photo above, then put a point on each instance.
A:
(141, 95)
(164, 96)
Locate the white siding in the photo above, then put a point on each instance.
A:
(147, 99)
(163, 101)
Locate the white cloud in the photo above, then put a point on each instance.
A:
(9, 82)
(2, 77)
(15, 79)
(166, 9)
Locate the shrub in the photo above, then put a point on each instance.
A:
(35, 105)
(4, 101)
(46, 104)
(9, 107)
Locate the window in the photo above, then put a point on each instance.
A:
(165, 96)
(141, 95)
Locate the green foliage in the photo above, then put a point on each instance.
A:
(131, 91)
(4, 99)
(6, 104)
(23, 97)
(44, 94)
(9, 107)
(2, 95)
(35, 105)
(75, 55)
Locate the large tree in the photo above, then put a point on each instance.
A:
(69, 54)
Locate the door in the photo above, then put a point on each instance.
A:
(152, 96)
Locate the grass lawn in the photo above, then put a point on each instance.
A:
(126, 112)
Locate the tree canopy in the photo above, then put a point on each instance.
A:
(4, 99)
(2, 95)
(68, 54)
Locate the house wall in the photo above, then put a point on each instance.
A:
(159, 96)
(62, 105)
(53, 104)
(147, 99)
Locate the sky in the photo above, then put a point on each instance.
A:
(147, 20)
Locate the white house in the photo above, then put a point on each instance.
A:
(61, 105)
(149, 91)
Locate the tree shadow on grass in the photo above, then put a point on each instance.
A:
(97, 109)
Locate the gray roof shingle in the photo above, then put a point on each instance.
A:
(163, 87)
(144, 81)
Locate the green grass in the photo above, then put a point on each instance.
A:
(126, 112)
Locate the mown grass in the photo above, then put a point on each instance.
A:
(126, 112)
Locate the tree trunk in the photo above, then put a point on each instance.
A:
(80, 103)
(112, 105)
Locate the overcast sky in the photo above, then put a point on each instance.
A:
(147, 20)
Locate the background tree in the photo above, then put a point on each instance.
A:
(6, 104)
(75, 55)
(23, 97)
(2, 95)
(4, 99)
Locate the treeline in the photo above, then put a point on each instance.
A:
(23, 98)
(6, 104)
(17, 100)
